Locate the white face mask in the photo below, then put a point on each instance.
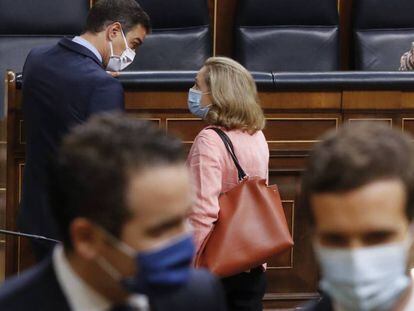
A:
(118, 63)
(364, 279)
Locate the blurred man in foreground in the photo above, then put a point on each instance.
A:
(121, 194)
(359, 187)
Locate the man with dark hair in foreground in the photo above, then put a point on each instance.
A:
(63, 85)
(120, 195)
(359, 189)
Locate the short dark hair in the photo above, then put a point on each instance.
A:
(356, 155)
(127, 12)
(94, 166)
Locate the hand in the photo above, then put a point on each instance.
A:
(113, 73)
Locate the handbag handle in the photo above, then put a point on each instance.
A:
(229, 146)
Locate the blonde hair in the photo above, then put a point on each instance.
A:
(235, 103)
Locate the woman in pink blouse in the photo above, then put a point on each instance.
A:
(225, 96)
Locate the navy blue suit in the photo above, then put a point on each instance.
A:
(63, 85)
(38, 290)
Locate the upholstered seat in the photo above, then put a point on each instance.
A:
(180, 39)
(287, 35)
(382, 30)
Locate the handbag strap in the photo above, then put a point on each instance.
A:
(229, 146)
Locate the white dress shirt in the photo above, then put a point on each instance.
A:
(88, 45)
(80, 296)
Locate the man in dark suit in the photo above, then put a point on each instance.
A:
(121, 196)
(359, 192)
(62, 86)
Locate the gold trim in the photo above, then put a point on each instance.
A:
(20, 133)
(371, 119)
(304, 118)
(215, 28)
(20, 180)
(3, 189)
(293, 233)
(300, 119)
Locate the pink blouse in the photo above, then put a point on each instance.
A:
(213, 172)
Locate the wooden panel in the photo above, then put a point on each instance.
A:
(225, 26)
(185, 128)
(2, 259)
(375, 100)
(3, 124)
(2, 208)
(297, 129)
(408, 125)
(2, 237)
(389, 118)
(22, 133)
(20, 170)
(300, 100)
(150, 101)
(212, 8)
(345, 33)
(407, 100)
(300, 279)
(19, 142)
(285, 259)
(3, 161)
(297, 133)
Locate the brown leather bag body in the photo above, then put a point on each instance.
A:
(251, 227)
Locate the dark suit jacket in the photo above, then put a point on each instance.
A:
(63, 85)
(38, 290)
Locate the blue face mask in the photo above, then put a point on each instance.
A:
(194, 103)
(160, 270)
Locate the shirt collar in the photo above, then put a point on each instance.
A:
(85, 43)
(80, 295)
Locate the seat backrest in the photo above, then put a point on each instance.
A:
(382, 31)
(287, 35)
(26, 24)
(180, 38)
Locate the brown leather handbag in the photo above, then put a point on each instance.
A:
(251, 226)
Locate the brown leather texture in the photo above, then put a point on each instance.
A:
(250, 229)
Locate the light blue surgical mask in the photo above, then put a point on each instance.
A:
(364, 279)
(194, 103)
(159, 270)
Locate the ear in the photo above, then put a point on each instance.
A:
(86, 238)
(112, 30)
